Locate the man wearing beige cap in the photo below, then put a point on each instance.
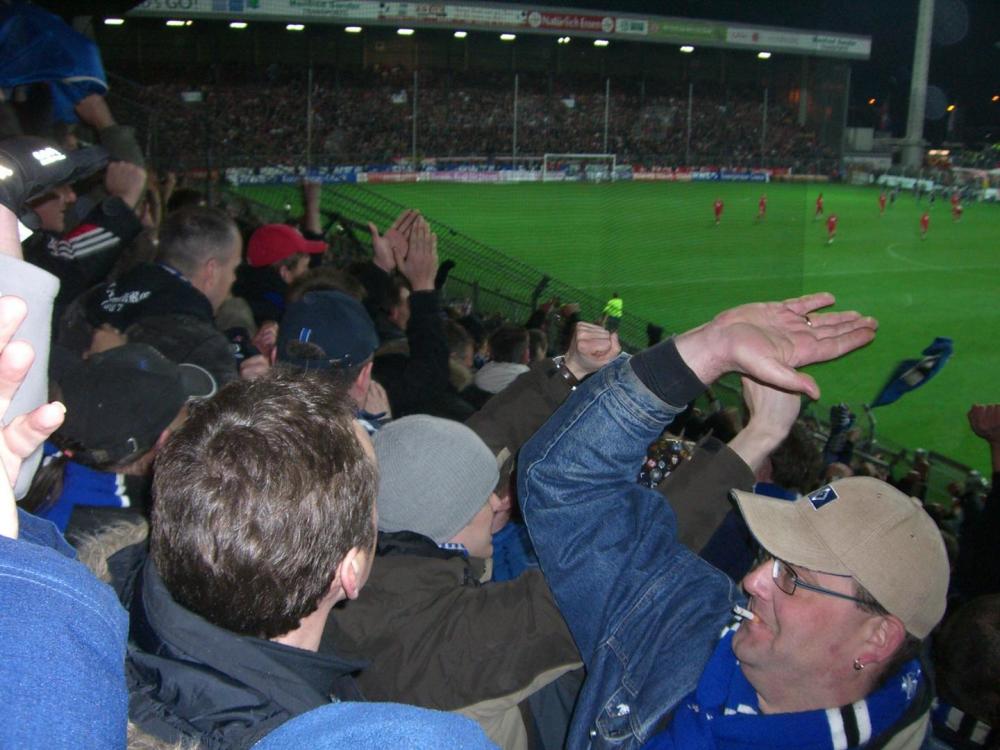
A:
(852, 577)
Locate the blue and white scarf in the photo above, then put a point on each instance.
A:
(723, 713)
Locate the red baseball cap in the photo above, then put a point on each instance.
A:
(275, 242)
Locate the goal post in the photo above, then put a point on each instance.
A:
(579, 167)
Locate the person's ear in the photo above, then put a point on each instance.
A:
(886, 634)
(352, 572)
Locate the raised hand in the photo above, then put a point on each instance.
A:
(769, 340)
(985, 421)
(25, 433)
(421, 262)
(591, 348)
(391, 248)
(772, 414)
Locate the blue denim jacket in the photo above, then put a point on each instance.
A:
(645, 612)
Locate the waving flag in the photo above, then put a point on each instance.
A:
(38, 47)
(913, 373)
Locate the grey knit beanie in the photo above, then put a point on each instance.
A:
(434, 476)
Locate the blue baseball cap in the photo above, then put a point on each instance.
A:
(326, 330)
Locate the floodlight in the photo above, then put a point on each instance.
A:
(508, 37)
(352, 29)
(237, 24)
(764, 55)
(461, 34)
(295, 27)
(114, 21)
(687, 49)
(404, 32)
(601, 42)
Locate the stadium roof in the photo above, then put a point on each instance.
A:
(472, 16)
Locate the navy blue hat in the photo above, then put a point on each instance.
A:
(325, 330)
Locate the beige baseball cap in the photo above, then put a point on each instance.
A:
(863, 528)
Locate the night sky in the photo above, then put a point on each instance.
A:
(965, 58)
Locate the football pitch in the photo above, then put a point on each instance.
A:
(658, 246)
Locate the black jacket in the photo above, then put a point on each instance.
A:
(148, 289)
(85, 255)
(416, 375)
(188, 678)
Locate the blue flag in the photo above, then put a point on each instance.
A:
(38, 47)
(913, 373)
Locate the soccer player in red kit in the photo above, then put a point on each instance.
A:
(954, 199)
(717, 206)
(925, 222)
(819, 206)
(956, 211)
(761, 207)
(881, 203)
(831, 228)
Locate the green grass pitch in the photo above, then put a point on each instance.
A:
(657, 245)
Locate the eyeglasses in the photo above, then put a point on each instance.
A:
(787, 580)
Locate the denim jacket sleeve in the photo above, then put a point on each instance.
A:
(645, 611)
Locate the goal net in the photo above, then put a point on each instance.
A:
(578, 167)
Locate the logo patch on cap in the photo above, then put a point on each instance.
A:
(822, 496)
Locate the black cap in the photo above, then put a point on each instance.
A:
(30, 167)
(120, 401)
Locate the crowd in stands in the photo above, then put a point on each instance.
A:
(369, 119)
(321, 507)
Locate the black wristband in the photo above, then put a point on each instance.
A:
(564, 372)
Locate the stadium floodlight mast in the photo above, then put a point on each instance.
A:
(913, 144)
(580, 166)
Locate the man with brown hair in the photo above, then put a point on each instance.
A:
(249, 551)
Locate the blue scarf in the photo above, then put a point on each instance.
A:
(723, 713)
(84, 486)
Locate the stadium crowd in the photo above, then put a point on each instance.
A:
(321, 507)
(251, 118)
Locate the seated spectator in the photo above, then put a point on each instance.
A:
(248, 553)
(122, 405)
(854, 575)
(435, 637)
(277, 255)
(331, 333)
(509, 356)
